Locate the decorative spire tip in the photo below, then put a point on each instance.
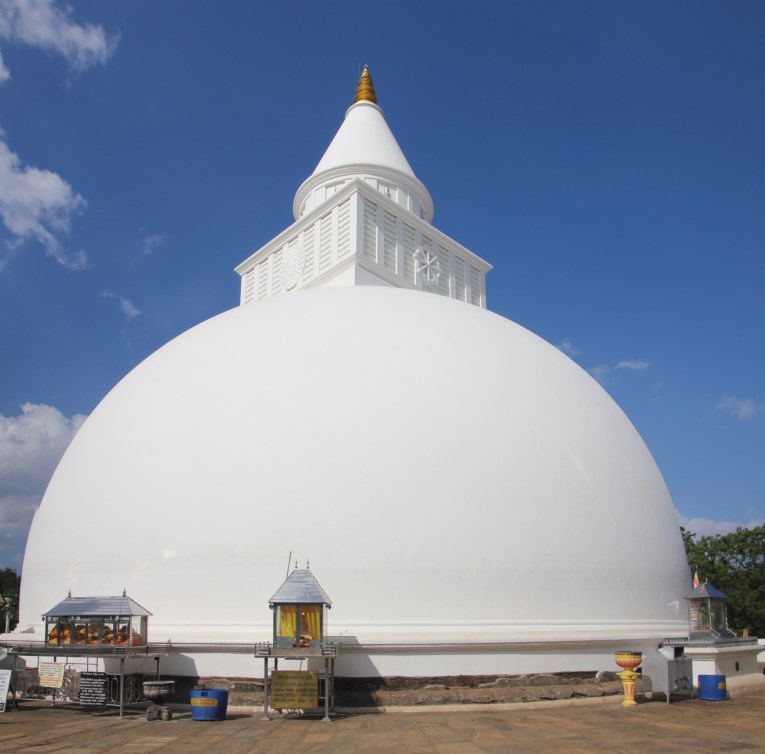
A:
(365, 91)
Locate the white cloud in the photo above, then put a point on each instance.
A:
(568, 348)
(43, 24)
(5, 74)
(31, 445)
(703, 527)
(37, 204)
(740, 408)
(129, 309)
(34, 203)
(633, 366)
(154, 241)
(600, 372)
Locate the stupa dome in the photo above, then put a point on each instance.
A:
(471, 500)
(446, 471)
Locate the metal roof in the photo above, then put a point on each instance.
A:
(122, 606)
(300, 587)
(706, 590)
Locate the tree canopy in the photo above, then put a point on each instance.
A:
(735, 564)
(10, 582)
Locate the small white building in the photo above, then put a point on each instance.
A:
(471, 499)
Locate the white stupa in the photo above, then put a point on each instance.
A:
(471, 500)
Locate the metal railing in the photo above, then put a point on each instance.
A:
(28, 687)
(327, 649)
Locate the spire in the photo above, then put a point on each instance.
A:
(365, 91)
(364, 147)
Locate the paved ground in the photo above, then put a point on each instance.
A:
(591, 725)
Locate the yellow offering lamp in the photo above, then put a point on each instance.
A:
(628, 661)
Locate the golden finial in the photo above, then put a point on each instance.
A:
(365, 91)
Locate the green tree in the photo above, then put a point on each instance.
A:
(735, 564)
(10, 583)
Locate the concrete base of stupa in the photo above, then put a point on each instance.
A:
(196, 655)
(207, 653)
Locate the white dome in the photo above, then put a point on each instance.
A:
(444, 470)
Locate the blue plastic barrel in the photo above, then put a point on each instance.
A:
(209, 704)
(712, 688)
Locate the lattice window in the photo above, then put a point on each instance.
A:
(325, 243)
(389, 242)
(475, 286)
(308, 245)
(409, 253)
(369, 245)
(276, 274)
(344, 230)
(443, 280)
(263, 279)
(249, 285)
(459, 279)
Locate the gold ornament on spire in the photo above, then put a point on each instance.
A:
(365, 91)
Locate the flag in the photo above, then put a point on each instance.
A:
(696, 578)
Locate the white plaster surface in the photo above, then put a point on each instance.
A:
(737, 663)
(364, 147)
(450, 475)
(364, 137)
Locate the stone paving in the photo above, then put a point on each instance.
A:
(582, 726)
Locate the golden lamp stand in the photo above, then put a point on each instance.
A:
(628, 661)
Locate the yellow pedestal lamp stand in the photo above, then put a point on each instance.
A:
(628, 661)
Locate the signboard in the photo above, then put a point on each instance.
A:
(294, 689)
(5, 682)
(93, 689)
(51, 674)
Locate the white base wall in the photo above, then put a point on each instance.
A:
(423, 661)
(383, 651)
(361, 665)
(738, 664)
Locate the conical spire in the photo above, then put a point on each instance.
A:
(364, 147)
(365, 91)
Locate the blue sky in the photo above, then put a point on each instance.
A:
(608, 158)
